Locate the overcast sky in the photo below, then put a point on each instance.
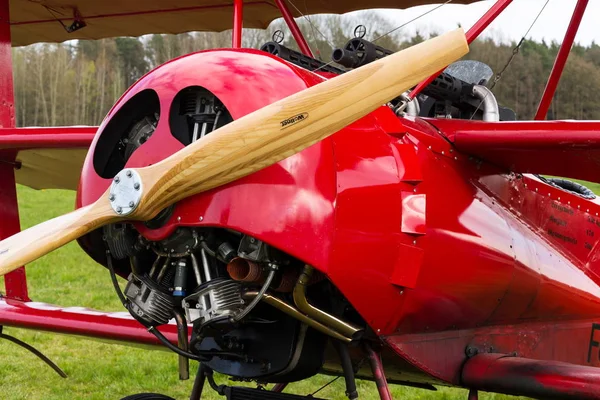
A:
(512, 24)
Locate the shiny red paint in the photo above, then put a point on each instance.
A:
(442, 354)
(472, 34)
(51, 137)
(16, 281)
(118, 326)
(378, 374)
(296, 32)
(375, 215)
(330, 201)
(561, 60)
(419, 223)
(561, 148)
(238, 23)
(525, 377)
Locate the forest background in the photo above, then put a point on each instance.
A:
(76, 83)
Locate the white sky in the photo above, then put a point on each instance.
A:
(511, 24)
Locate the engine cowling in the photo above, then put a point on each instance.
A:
(298, 191)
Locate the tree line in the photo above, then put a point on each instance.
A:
(76, 83)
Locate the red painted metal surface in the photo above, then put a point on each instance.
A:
(525, 377)
(442, 354)
(291, 23)
(561, 148)
(15, 282)
(561, 60)
(56, 137)
(472, 34)
(238, 23)
(438, 252)
(378, 374)
(80, 321)
(309, 191)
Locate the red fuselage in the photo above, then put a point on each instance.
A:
(420, 238)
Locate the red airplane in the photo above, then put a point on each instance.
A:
(290, 224)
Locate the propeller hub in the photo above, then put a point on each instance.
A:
(125, 192)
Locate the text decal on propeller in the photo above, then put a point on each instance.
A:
(295, 119)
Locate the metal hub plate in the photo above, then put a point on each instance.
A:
(126, 192)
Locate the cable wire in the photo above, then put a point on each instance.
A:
(510, 59)
(411, 21)
(204, 355)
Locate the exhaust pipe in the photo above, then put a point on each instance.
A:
(292, 312)
(329, 320)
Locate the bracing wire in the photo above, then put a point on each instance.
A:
(392, 30)
(313, 27)
(411, 21)
(511, 58)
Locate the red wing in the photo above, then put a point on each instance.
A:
(47, 158)
(569, 149)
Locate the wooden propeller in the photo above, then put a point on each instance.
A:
(242, 147)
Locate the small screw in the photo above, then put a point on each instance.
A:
(129, 174)
(414, 242)
(201, 218)
(131, 204)
(117, 179)
(119, 210)
(378, 330)
(179, 220)
(111, 197)
(136, 186)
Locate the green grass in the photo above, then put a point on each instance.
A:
(109, 371)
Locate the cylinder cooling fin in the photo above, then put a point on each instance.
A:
(128, 129)
(195, 112)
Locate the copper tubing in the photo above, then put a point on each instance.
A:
(245, 271)
(182, 338)
(292, 312)
(289, 277)
(326, 319)
(288, 280)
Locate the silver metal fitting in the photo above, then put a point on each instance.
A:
(126, 191)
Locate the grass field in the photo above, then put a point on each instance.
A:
(107, 371)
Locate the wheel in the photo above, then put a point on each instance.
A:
(147, 396)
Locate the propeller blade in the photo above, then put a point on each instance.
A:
(243, 146)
